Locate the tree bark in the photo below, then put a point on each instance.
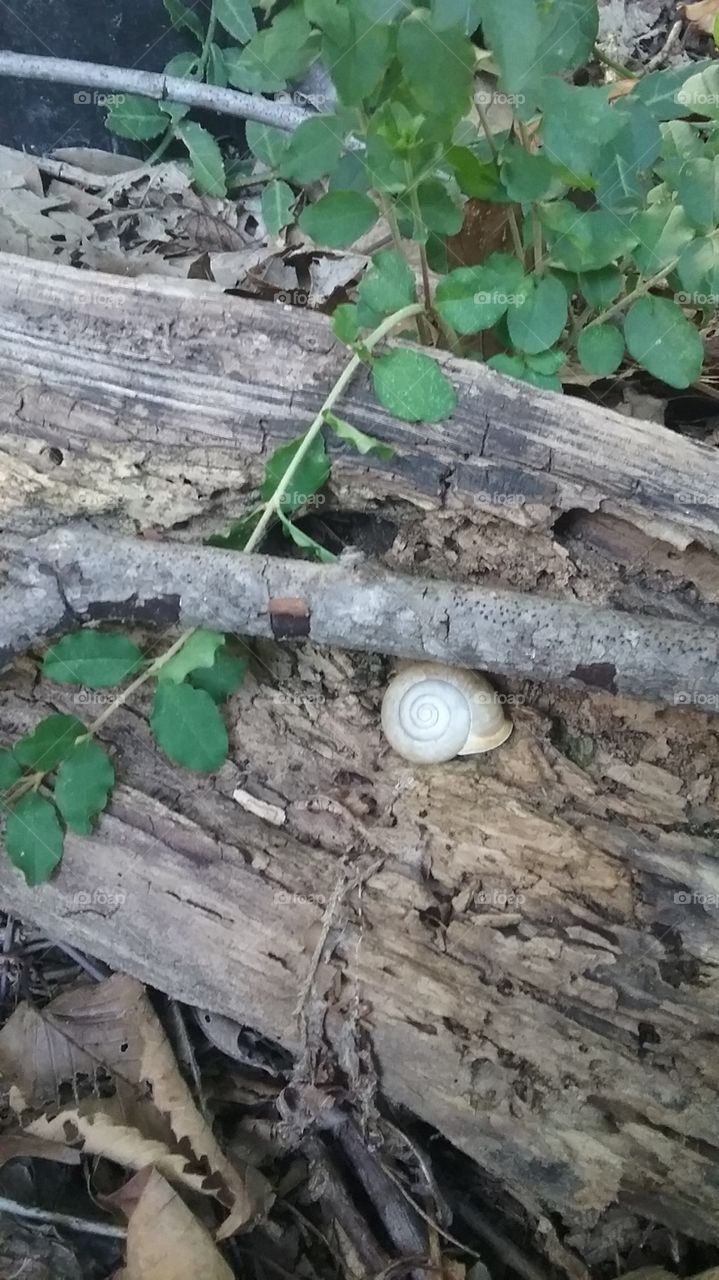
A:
(534, 950)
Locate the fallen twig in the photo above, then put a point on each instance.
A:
(151, 84)
(65, 1220)
(68, 578)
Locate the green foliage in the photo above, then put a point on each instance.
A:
(83, 784)
(34, 838)
(50, 743)
(413, 387)
(188, 726)
(92, 659)
(339, 218)
(199, 652)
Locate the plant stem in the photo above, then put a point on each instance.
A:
(273, 504)
(537, 239)
(151, 671)
(639, 292)
(621, 70)
(207, 43)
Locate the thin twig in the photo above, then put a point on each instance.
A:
(152, 84)
(666, 48)
(68, 1221)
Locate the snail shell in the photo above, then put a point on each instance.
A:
(431, 713)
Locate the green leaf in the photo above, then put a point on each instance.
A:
(437, 67)
(188, 727)
(351, 173)
(698, 271)
(360, 441)
(601, 287)
(465, 14)
(576, 124)
(307, 543)
(516, 367)
(236, 16)
(267, 143)
(438, 209)
(357, 50)
(34, 838)
(569, 31)
(50, 743)
(10, 772)
(413, 387)
(538, 321)
(663, 231)
(698, 190)
(139, 119)
(475, 177)
(223, 678)
(474, 298)
(600, 348)
(585, 241)
(198, 651)
(546, 362)
(278, 202)
(513, 31)
(207, 164)
(313, 151)
(181, 16)
(83, 785)
(662, 340)
(526, 177)
(389, 284)
(660, 91)
(283, 51)
(92, 660)
(623, 169)
(345, 323)
(312, 473)
(700, 92)
(339, 219)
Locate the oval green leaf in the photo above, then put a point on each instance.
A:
(50, 743)
(198, 651)
(600, 348)
(662, 340)
(92, 660)
(139, 119)
(208, 167)
(236, 16)
(188, 727)
(34, 838)
(84, 782)
(340, 218)
(413, 387)
(538, 321)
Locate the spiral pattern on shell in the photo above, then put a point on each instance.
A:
(427, 720)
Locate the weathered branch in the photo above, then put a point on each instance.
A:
(77, 575)
(151, 84)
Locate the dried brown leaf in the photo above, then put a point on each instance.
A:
(166, 1242)
(703, 14)
(113, 1026)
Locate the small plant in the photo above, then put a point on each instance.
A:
(612, 201)
(610, 192)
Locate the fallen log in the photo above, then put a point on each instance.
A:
(534, 955)
(77, 576)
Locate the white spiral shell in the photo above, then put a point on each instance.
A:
(431, 713)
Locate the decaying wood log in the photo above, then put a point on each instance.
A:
(535, 953)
